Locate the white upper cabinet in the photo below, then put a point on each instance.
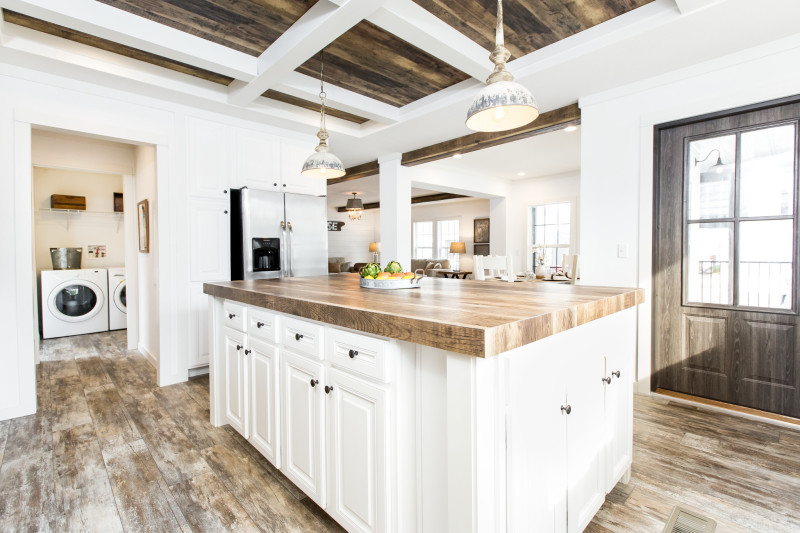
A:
(207, 160)
(209, 240)
(293, 155)
(258, 163)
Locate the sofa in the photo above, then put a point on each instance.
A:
(430, 266)
(337, 265)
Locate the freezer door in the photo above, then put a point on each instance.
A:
(262, 218)
(307, 244)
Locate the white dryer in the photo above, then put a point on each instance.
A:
(118, 299)
(74, 302)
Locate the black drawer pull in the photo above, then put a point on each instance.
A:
(298, 336)
(328, 389)
(259, 325)
(247, 352)
(238, 347)
(566, 409)
(606, 380)
(314, 382)
(352, 353)
(615, 374)
(231, 316)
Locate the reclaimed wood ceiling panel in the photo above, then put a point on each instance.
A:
(313, 106)
(529, 24)
(375, 63)
(110, 46)
(248, 26)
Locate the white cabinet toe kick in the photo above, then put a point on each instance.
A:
(390, 436)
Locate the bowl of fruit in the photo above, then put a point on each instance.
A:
(391, 277)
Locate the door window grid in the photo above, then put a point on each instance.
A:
(740, 219)
(551, 230)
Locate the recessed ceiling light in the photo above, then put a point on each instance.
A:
(570, 128)
(456, 156)
(520, 173)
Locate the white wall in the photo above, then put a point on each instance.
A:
(148, 262)
(59, 150)
(617, 159)
(352, 242)
(465, 211)
(78, 230)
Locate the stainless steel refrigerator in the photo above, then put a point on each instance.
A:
(275, 235)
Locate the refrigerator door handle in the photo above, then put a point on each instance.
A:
(283, 248)
(289, 255)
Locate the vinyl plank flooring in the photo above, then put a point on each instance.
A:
(129, 384)
(68, 407)
(3, 438)
(209, 506)
(92, 372)
(83, 493)
(27, 498)
(28, 435)
(110, 416)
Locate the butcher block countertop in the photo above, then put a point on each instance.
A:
(480, 318)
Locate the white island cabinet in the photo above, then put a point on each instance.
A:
(388, 435)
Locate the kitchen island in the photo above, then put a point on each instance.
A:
(458, 406)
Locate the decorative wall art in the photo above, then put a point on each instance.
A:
(143, 216)
(481, 231)
(481, 249)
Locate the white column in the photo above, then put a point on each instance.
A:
(395, 185)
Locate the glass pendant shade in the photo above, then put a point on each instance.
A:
(323, 164)
(501, 106)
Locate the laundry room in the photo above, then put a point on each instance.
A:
(87, 222)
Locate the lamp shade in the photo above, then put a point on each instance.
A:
(374, 247)
(458, 248)
(355, 204)
(501, 106)
(323, 164)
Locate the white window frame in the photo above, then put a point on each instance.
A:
(454, 258)
(573, 228)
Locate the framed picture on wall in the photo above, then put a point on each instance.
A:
(143, 216)
(481, 230)
(481, 249)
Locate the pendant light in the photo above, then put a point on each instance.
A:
(322, 163)
(355, 207)
(503, 104)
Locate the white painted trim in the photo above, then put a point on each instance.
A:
(723, 410)
(198, 371)
(131, 259)
(150, 357)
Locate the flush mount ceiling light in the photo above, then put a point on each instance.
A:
(503, 104)
(355, 207)
(322, 163)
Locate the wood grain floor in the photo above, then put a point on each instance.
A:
(109, 451)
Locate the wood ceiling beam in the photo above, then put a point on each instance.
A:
(546, 122)
(423, 29)
(106, 22)
(416, 200)
(316, 29)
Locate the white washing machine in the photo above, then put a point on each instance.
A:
(117, 299)
(74, 302)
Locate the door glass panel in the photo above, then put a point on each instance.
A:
(711, 173)
(709, 276)
(767, 176)
(75, 300)
(765, 263)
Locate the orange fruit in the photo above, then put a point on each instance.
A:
(408, 275)
(383, 275)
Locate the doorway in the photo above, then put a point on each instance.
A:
(725, 257)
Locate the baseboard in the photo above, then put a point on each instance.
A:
(728, 408)
(153, 361)
(198, 371)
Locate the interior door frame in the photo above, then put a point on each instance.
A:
(657, 181)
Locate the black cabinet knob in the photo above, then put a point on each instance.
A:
(274, 184)
(231, 315)
(226, 211)
(566, 409)
(298, 336)
(328, 389)
(314, 382)
(284, 185)
(352, 353)
(247, 352)
(615, 374)
(225, 191)
(259, 325)
(606, 380)
(238, 347)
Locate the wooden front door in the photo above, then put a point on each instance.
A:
(725, 258)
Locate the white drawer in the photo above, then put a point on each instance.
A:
(301, 336)
(262, 325)
(234, 315)
(359, 354)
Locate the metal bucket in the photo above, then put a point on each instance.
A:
(66, 258)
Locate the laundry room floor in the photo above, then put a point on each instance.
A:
(110, 451)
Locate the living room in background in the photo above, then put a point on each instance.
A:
(422, 239)
(551, 231)
(426, 240)
(448, 232)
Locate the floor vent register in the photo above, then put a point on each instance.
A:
(683, 521)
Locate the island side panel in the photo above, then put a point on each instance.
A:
(216, 367)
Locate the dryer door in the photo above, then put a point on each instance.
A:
(121, 297)
(76, 300)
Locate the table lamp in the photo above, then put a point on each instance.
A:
(374, 247)
(458, 248)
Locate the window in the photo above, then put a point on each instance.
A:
(425, 241)
(739, 218)
(551, 231)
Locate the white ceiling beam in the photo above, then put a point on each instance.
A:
(307, 88)
(415, 25)
(317, 28)
(100, 20)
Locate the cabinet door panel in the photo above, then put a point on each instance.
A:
(585, 394)
(302, 424)
(236, 385)
(537, 438)
(264, 400)
(207, 158)
(358, 452)
(209, 240)
(292, 158)
(257, 160)
(198, 326)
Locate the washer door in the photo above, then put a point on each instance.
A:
(75, 300)
(121, 297)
